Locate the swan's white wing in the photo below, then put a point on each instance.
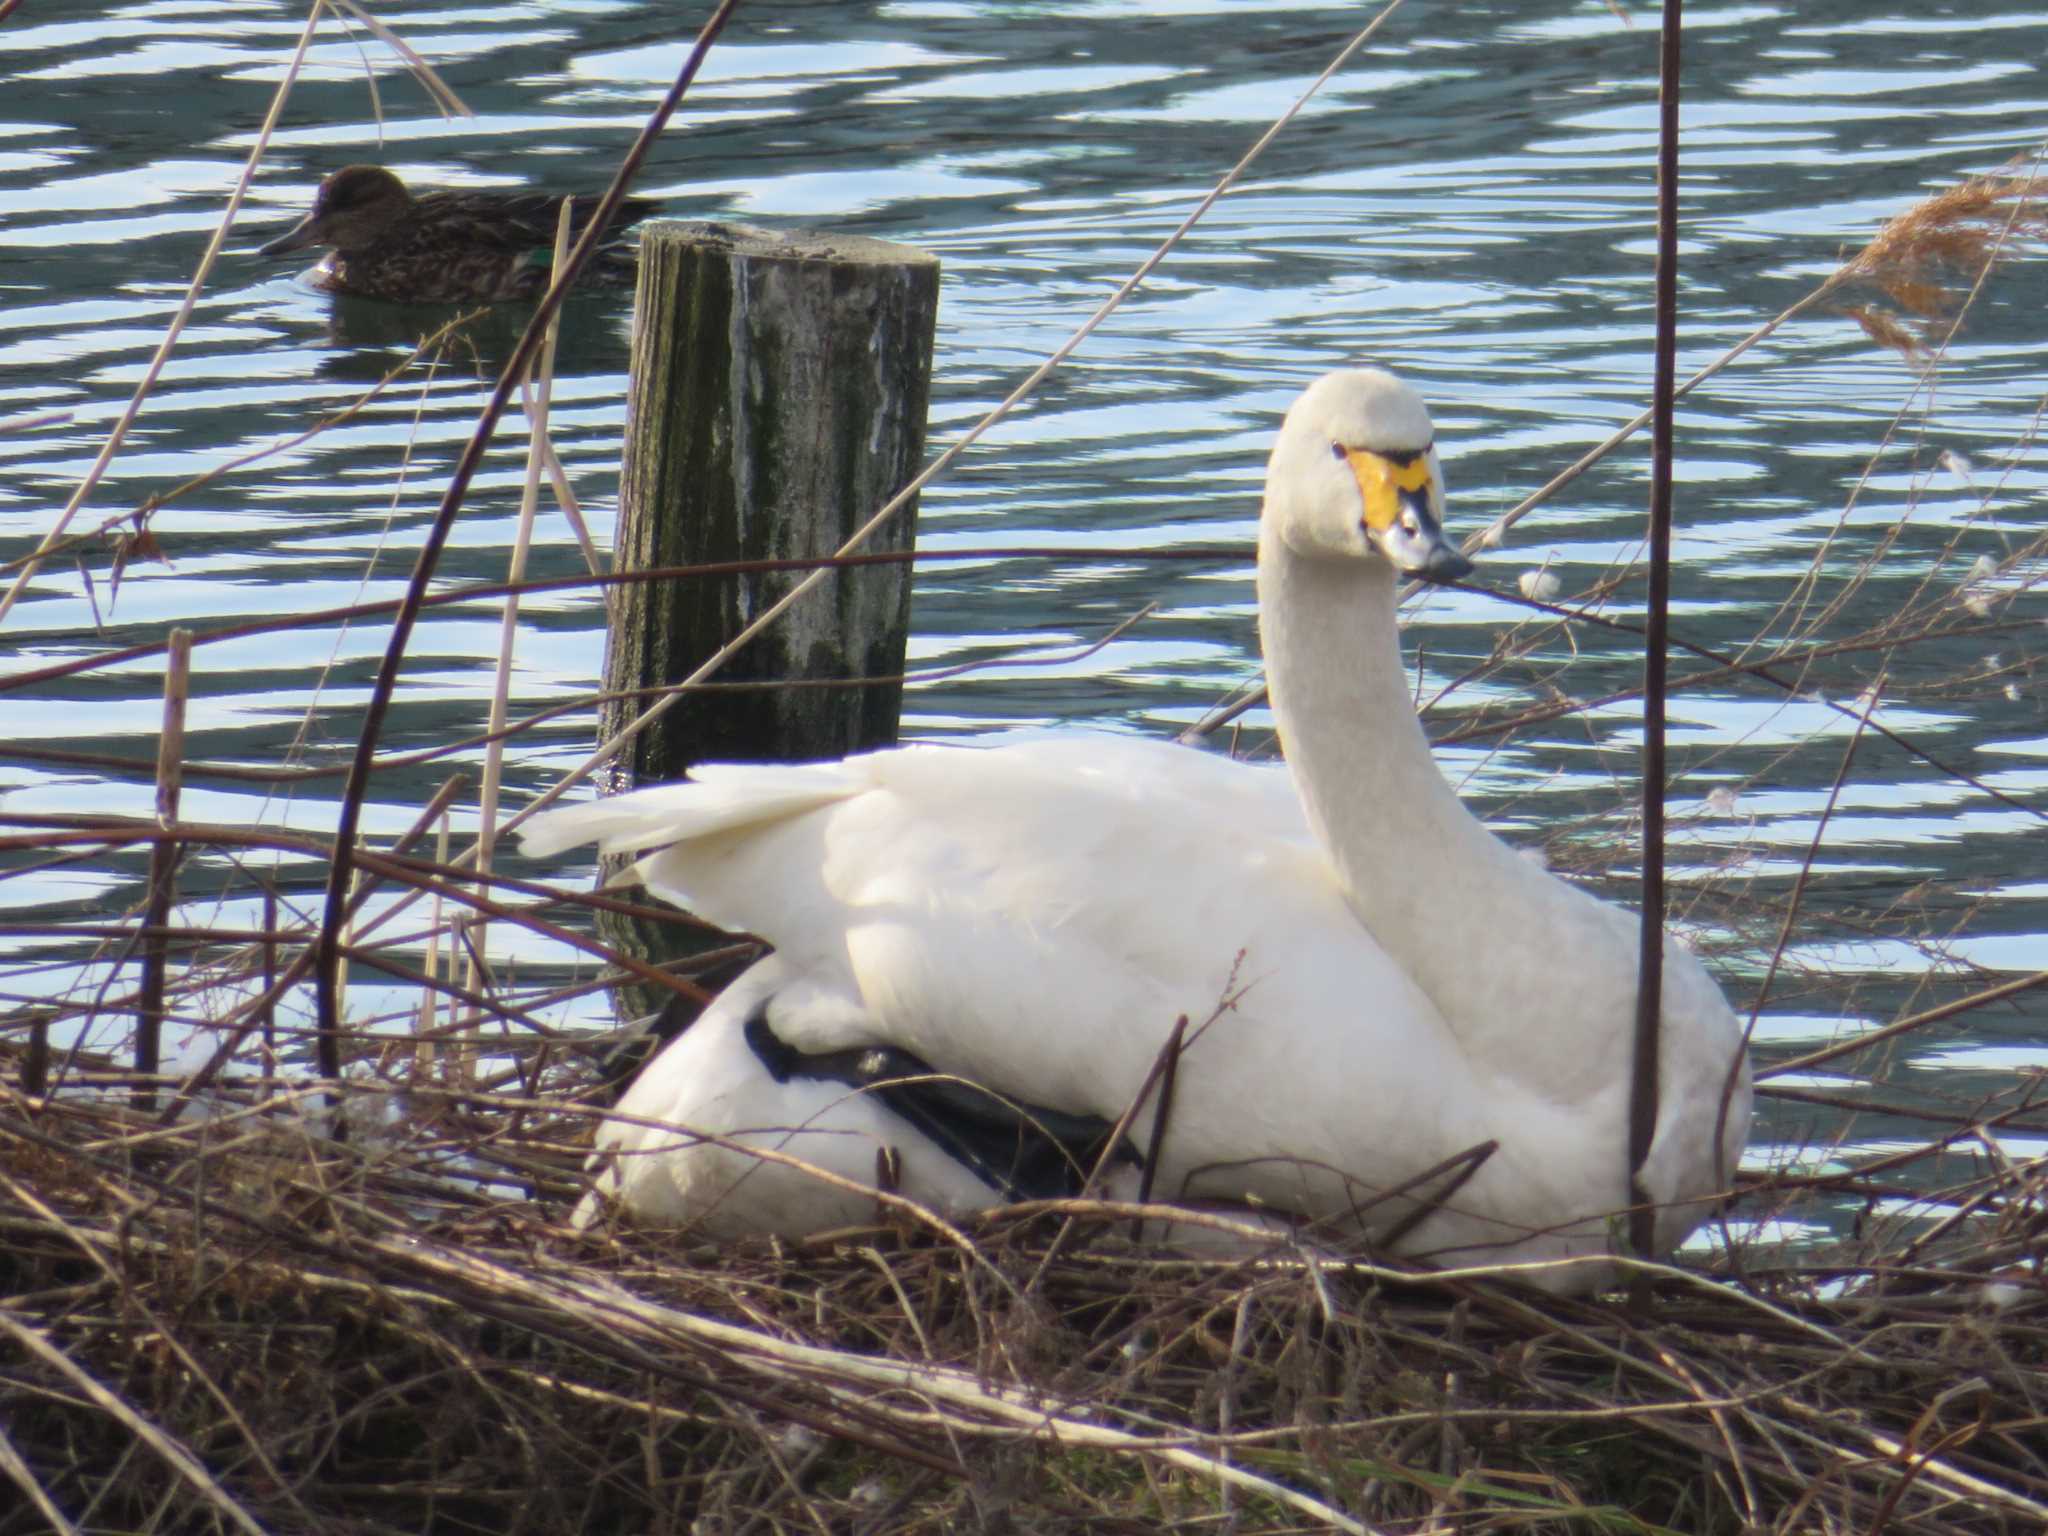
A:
(722, 797)
(1035, 917)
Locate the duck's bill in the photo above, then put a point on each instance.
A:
(297, 238)
(1415, 544)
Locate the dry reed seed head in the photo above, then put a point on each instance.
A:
(1918, 257)
(1963, 226)
(1883, 329)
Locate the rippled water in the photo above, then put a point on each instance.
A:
(1469, 202)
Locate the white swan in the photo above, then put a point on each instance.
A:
(1384, 983)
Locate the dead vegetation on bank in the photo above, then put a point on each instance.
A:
(240, 1324)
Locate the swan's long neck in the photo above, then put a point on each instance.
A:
(1435, 888)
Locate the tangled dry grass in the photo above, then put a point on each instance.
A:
(241, 1323)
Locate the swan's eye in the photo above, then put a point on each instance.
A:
(1337, 452)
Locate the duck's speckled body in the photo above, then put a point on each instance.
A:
(446, 247)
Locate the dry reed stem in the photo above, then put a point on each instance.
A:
(163, 859)
(24, 1478)
(535, 393)
(438, 90)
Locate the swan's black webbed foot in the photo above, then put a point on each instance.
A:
(1022, 1151)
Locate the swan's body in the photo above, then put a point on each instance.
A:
(1384, 984)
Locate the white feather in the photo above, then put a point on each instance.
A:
(1374, 986)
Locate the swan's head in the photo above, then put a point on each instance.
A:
(1354, 475)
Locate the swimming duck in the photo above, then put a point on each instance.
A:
(978, 952)
(445, 247)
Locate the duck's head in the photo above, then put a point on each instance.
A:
(1354, 475)
(353, 209)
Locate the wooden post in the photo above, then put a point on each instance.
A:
(779, 389)
(780, 382)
